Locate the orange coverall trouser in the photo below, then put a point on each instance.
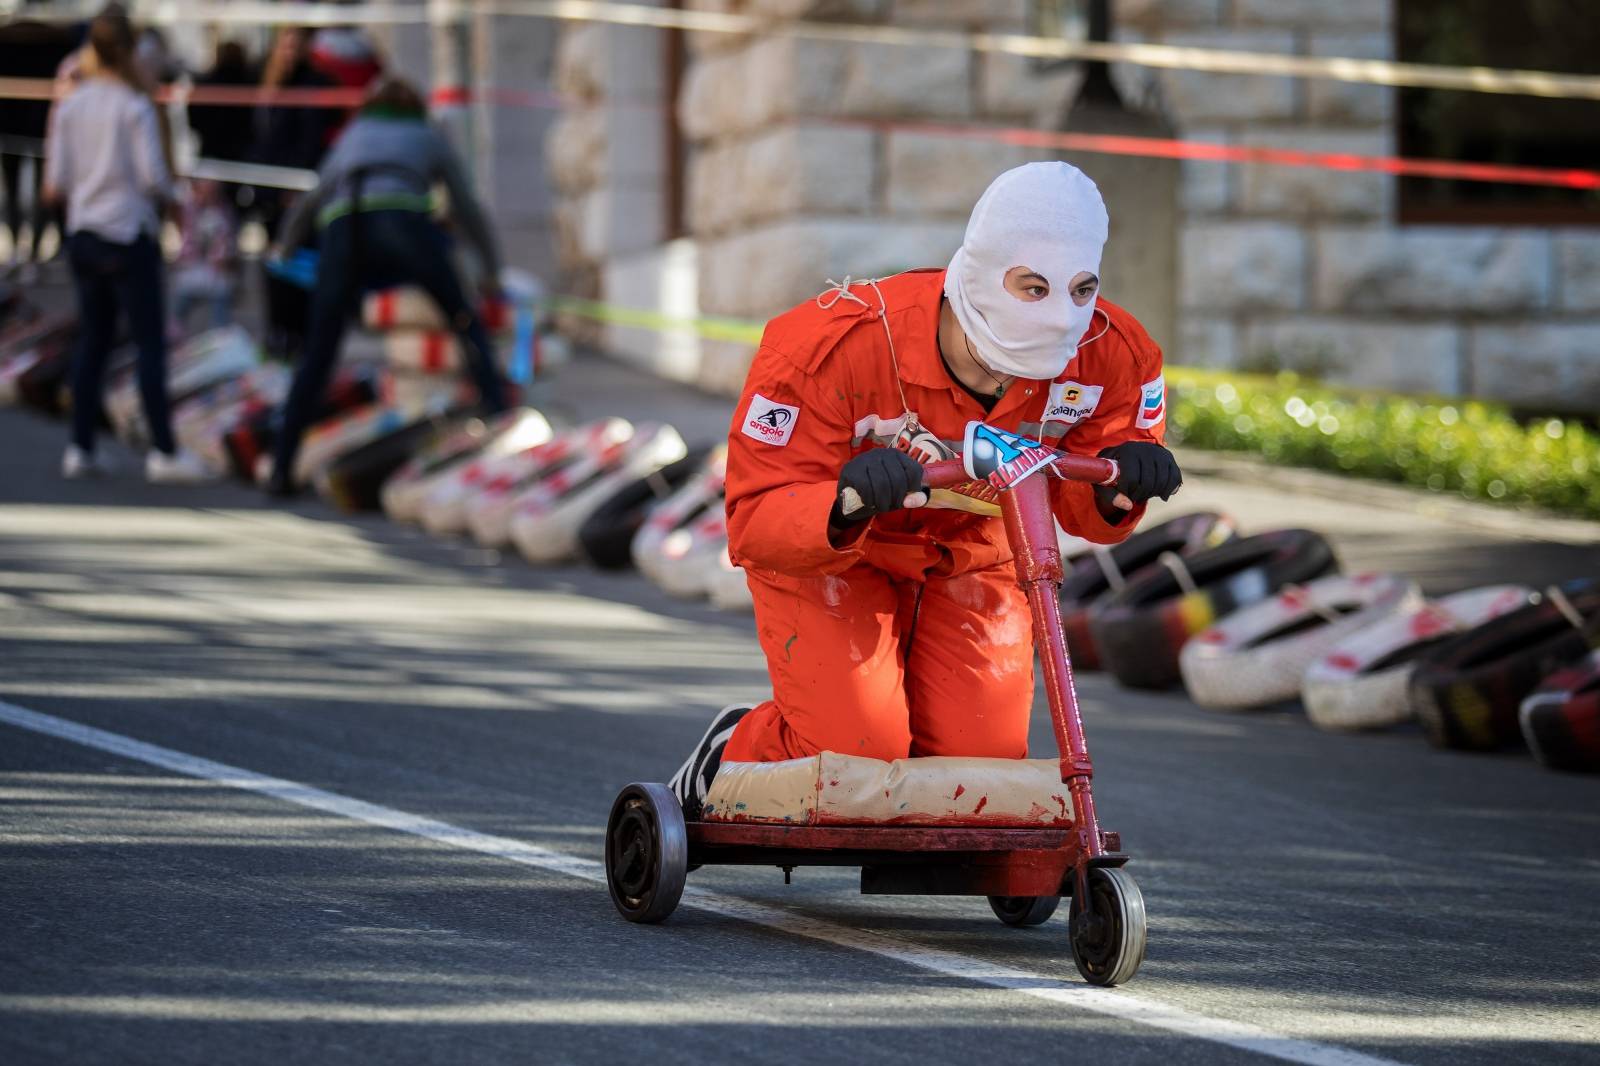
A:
(866, 663)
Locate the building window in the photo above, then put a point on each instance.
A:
(1555, 35)
(1068, 19)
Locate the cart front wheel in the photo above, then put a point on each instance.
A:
(1024, 910)
(1108, 928)
(647, 852)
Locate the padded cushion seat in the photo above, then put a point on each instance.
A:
(833, 789)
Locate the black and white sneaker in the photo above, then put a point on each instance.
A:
(693, 779)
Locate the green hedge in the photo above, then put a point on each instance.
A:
(1474, 449)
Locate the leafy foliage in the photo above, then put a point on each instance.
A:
(1475, 449)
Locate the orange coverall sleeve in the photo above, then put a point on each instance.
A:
(1136, 409)
(782, 478)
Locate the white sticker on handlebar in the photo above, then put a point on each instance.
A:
(1000, 457)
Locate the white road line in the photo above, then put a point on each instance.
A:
(1111, 1002)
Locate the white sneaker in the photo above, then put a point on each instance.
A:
(77, 463)
(182, 467)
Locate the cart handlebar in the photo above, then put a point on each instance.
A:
(1068, 467)
(949, 472)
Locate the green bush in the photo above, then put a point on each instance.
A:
(1475, 449)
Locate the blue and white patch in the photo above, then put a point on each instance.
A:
(1152, 403)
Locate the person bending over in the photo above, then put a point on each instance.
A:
(899, 630)
(373, 204)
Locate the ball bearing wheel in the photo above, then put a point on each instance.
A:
(1023, 911)
(1108, 929)
(647, 852)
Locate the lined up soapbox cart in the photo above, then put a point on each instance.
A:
(922, 826)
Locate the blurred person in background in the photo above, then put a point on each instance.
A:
(373, 206)
(292, 134)
(28, 50)
(223, 130)
(346, 55)
(156, 68)
(104, 158)
(206, 270)
(154, 60)
(288, 135)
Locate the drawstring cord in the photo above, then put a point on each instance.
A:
(828, 298)
(1097, 311)
(840, 290)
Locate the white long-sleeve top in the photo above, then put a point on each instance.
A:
(104, 154)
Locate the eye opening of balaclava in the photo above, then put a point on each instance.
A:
(1048, 217)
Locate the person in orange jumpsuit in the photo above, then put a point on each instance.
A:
(899, 629)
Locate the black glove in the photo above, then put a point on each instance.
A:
(883, 478)
(1145, 471)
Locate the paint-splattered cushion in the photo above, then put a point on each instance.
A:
(832, 789)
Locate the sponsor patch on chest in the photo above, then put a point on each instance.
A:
(769, 421)
(1070, 402)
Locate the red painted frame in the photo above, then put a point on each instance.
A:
(955, 859)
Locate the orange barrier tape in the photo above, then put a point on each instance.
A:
(1206, 151)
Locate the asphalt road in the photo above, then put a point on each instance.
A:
(1341, 895)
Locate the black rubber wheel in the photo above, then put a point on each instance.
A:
(253, 435)
(1467, 691)
(354, 481)
(1561, 721)
(1023, 911)
(647, 852)
(606, 537)
(1140, 630)
(44, 386)
(1086, 582)
(1108, 932)
(247, 440)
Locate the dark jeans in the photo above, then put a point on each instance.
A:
(39, 217)
(108, 275)
(391, 248)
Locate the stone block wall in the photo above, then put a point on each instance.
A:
(795, 174)
(606, 155)
(1310, 269)
(789, 180)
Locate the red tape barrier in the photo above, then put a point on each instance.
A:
(1104, 144)
(1206, 151)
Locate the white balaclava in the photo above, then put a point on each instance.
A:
(1049, 218)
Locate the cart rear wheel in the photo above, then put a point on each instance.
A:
(1024, 910)
(647, 852)
(1108, 929)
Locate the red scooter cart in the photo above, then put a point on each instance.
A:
(1024, 871)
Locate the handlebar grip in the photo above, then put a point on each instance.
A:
(1090, 468)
